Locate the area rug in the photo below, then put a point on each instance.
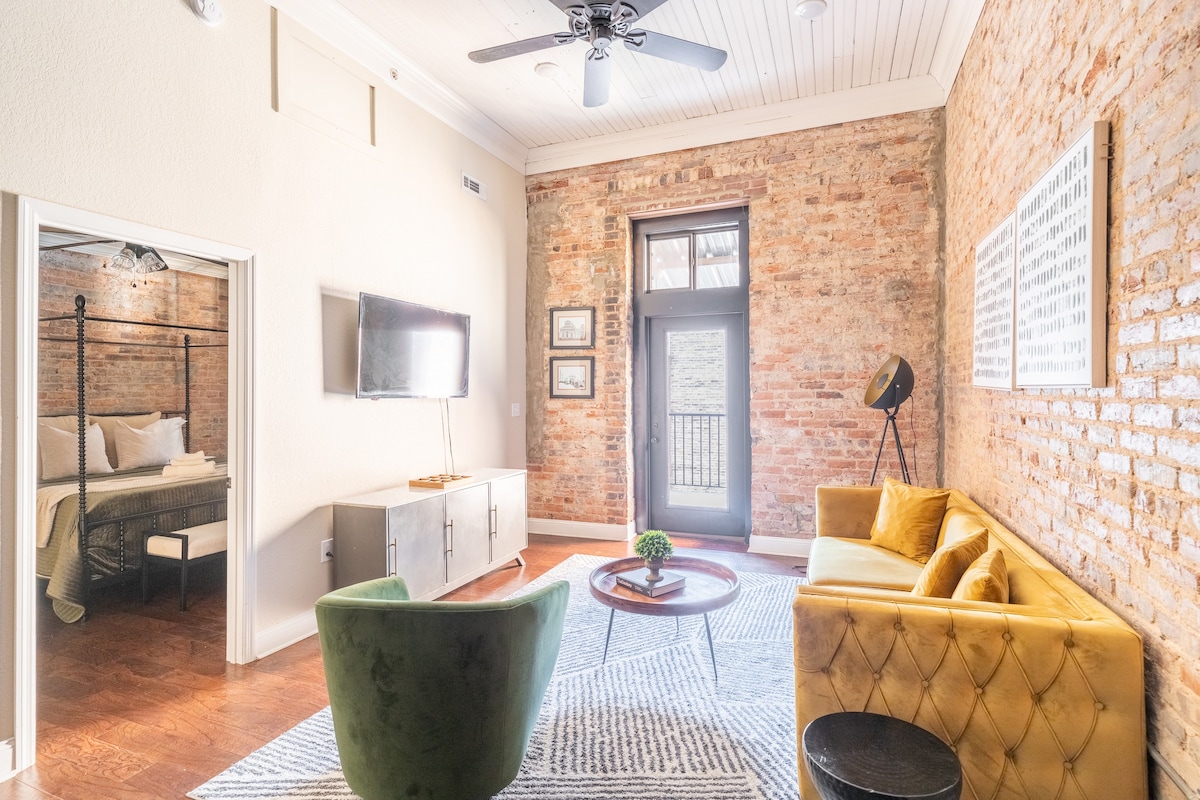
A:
(648, 725)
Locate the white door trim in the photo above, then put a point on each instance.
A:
(32, 215)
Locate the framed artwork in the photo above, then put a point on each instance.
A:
(995, 269)
(573, 328)
(1061, 280)
(572, 377)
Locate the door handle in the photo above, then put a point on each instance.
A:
(493, 522)
(450, 537)
(392, 561)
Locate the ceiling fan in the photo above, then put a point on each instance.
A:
(602, 24)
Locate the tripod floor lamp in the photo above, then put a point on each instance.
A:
(891, 386)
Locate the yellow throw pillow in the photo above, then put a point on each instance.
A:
(946, 567)
(909, 519)
(986, 579)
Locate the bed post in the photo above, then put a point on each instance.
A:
(187, 393)
(81, 425)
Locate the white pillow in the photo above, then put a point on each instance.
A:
(151, 446)
(60, 451)
(108, 424)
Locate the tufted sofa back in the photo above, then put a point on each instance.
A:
(1041, 698)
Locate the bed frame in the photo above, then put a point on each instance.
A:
(130, 526)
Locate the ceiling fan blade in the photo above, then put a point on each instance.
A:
(597, 77)
(681, 51)
(518, 48)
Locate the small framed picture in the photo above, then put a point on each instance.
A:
(572, 377)
(573, 328)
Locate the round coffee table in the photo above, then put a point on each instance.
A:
(709, 586)
(854, 755)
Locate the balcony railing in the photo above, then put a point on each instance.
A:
(698, 450)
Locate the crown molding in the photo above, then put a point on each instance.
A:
(337, 26)
(957, 29)
(864, 102)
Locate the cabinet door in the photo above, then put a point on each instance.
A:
(509, 531)
(467, 531)
(416, 545)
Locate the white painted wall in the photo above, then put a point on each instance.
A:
(138, 111)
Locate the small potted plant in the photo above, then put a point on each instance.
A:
(653, 547)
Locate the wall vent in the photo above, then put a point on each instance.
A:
(474, 186)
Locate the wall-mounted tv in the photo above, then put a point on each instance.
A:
(409, 350)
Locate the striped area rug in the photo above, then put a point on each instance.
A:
(650, 724)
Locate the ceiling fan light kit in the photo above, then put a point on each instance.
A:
(601, 25)
(810, 9)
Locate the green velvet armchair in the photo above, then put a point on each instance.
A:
(435, 700)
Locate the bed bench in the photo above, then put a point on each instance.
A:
(182, 548)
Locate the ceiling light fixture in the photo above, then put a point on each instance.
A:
(138, 259)
(547, 69)
(810, 9)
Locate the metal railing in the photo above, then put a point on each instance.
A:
(698, 450)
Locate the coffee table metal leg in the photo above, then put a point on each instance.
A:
(712, 653)
(607, 636)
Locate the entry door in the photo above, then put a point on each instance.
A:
(691, 378)
(698, 478)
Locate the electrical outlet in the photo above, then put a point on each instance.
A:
(516, 409)
(327, 550)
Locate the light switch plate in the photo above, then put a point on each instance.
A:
(326, 550)
(516, 409)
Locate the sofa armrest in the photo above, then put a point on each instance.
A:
(1031, 703)
(847, 511)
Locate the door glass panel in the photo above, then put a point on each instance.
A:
(697, 433)
(716, 259)
(669, 263)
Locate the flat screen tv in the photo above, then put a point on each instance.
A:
(409, 350)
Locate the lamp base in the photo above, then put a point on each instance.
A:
(891, 422)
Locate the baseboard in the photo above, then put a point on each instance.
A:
(285, 634)
(780, 546)
(582, 530)
(6, 760)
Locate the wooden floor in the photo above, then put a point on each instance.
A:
(137, 701)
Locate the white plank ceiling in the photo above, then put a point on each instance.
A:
(859, 54)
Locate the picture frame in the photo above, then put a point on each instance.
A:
(573, 377)
(573, 328)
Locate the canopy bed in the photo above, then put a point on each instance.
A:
(150, 488)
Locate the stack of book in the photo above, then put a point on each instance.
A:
(635, 580)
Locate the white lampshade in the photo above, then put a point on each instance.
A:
(810, 9)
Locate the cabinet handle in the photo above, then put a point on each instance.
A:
(392, 558)
(450, 537)
(494, 522)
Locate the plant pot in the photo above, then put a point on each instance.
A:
(654, 565)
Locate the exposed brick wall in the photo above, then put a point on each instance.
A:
(127, 379)
(844, 264)
(1104, 482)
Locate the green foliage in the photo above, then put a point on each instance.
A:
(653, 544)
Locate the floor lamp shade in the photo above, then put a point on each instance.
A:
(891, 386)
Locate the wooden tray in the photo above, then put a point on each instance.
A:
(436, 481)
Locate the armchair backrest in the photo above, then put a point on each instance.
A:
(435, 699)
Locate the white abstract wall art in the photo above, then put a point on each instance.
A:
(1061, 285)
(995, 279)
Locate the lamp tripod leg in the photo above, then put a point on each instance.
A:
(900, 449)
(879, 454)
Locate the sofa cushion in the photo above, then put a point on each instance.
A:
(947, 564)
(909, 519)
(836, 561)
(986, 579)
(958, 524)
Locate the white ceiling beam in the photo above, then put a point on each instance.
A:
(957, 29)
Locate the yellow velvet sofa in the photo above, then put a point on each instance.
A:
(1041, 697)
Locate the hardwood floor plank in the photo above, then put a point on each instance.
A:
(137, 701)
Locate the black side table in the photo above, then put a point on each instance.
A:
(854, 755)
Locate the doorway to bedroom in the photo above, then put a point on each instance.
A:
(152, 354)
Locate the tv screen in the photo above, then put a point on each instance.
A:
(409, 350)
